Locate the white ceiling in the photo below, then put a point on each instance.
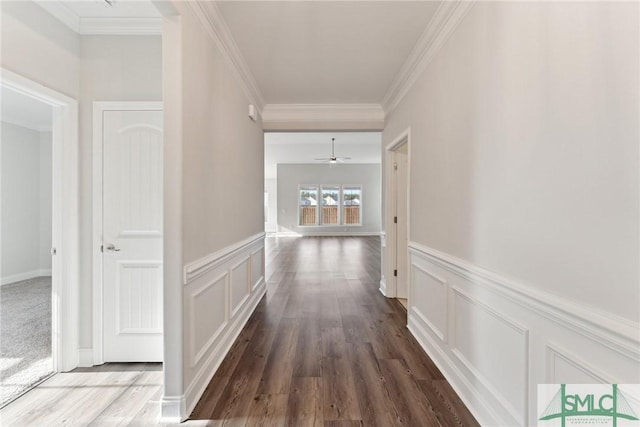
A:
(326, 52)
(24, 111)
(294, 147)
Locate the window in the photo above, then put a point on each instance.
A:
(351, 212)
(330, 205)
(308, 205)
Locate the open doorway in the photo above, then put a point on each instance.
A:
(25, 230)
(38, 251)
(397, 183)
(323, 183)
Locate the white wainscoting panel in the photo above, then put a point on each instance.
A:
(495, 339)
(240, 287)
(203, 320)
(257, 268)
(429, 295)
(499, 369)
(221, 292)
(571, 369)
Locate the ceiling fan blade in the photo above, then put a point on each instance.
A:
(323, 158)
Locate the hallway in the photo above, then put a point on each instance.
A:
(324, 347)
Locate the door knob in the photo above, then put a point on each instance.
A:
(110, 247)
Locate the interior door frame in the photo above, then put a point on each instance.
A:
(99, 108)
(390, 198)
(65, 217)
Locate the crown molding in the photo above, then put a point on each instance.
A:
(99, 25)
(213, 21)
(446, 19)
(321, 116)
(60, 11)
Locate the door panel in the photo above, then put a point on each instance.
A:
(132, 236)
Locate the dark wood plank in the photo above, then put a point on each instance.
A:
(277, 373)
(305, 403)
(340, 400)
(373, 396)
(412, 406)
(268, 410)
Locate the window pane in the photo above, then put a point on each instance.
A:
(308, 205)
(351, 205)
(330, 205)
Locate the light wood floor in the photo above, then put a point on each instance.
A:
(324, 348)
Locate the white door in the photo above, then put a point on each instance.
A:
(402, 253)
(132, 236)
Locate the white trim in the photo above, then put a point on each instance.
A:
(326, 233)
(171, 409)
(320, 116)
(383, 287)
(85, 357)
(61, 12)
(101, 25)
(24, 276)
(99, 107)
(65, 265)
(617, 333)
(213, 22)
(446, 19)
(389, 229)
(200, 266)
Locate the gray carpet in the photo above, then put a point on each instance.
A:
(25, 336)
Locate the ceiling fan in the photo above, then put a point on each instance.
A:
(333, 159)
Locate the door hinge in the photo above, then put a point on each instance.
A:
(102, 248)
(395, 219)
(395, 166)
(54, 251)
(395, 273)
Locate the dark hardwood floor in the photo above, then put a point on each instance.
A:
(325, 348)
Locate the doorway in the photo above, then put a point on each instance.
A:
(128, 231)
(397, 184)
(40, 230)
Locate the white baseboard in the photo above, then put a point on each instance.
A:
(494, 339)
(172, 409)
(383, 287)
(85, 357)
(327, 233)
(24, 276)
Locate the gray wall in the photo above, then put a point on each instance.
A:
(526, 166)
(26, 203)
(290, 176)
